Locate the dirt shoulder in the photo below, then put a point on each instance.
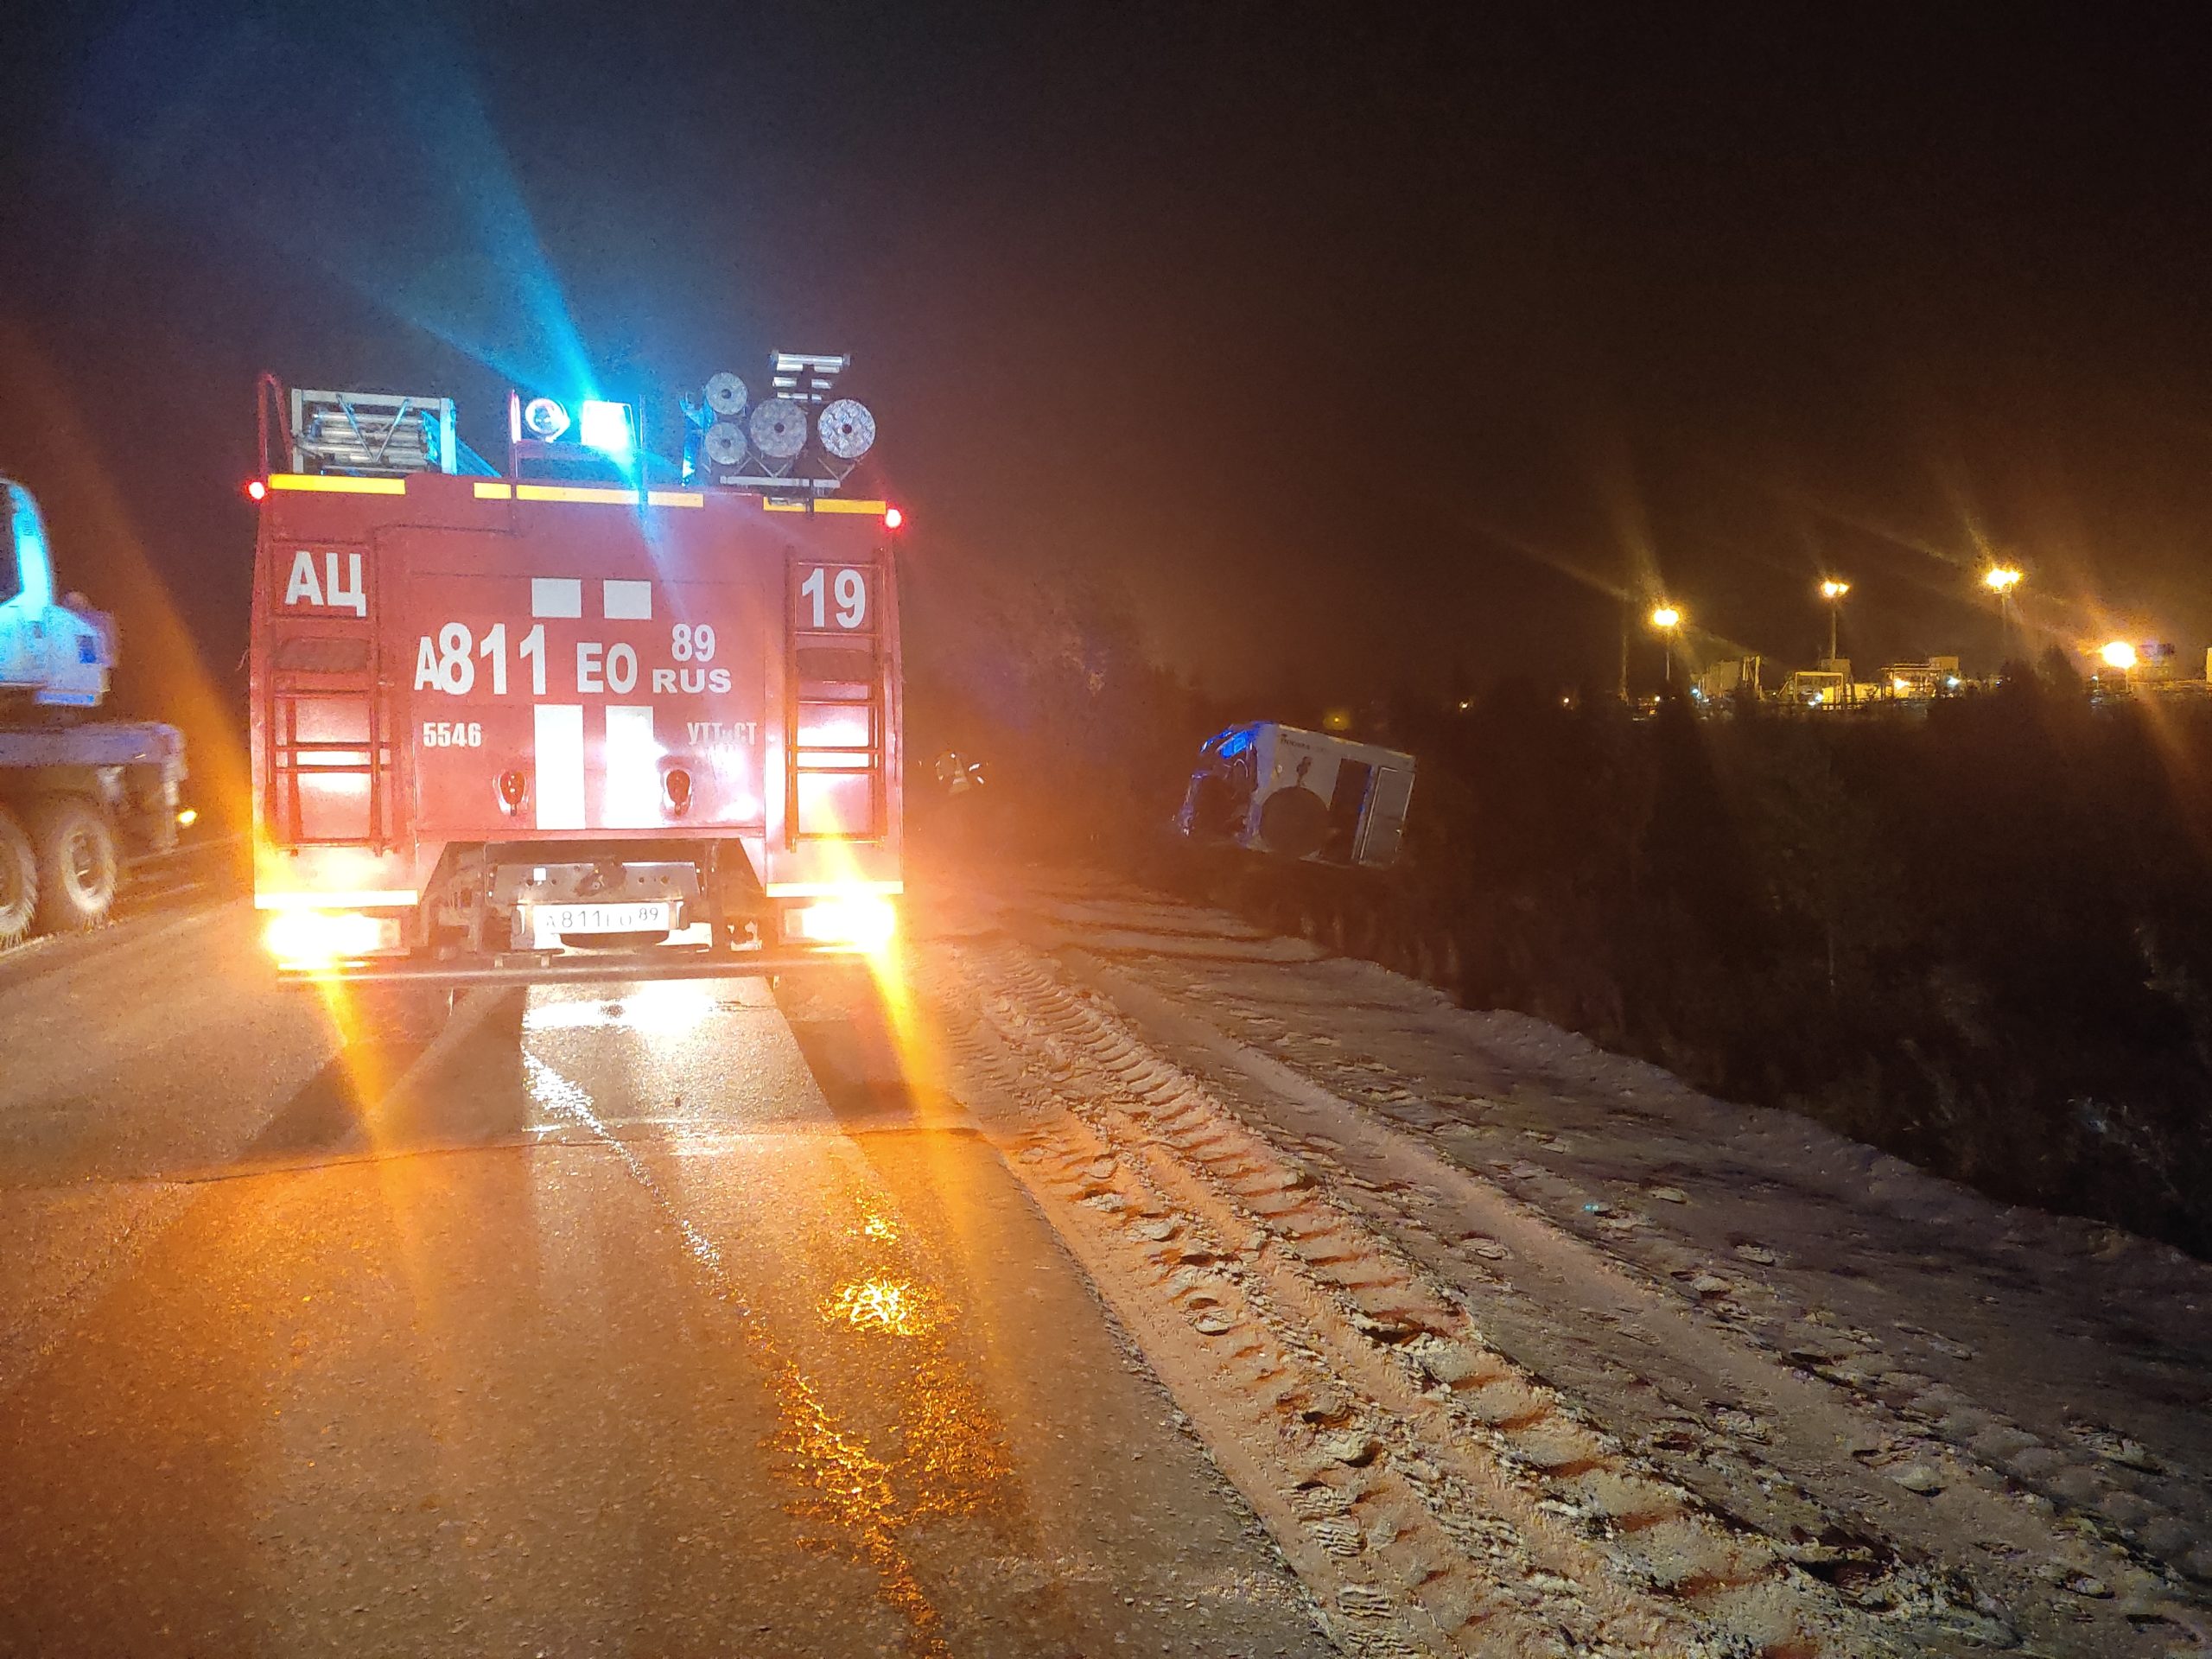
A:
(1511, 1341)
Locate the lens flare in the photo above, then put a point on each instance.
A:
(862, 922)
(319, 938)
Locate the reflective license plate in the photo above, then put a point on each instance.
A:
(550, 922)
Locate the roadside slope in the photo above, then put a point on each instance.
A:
(1512, 1341)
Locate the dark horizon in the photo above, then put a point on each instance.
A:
(1361, 355)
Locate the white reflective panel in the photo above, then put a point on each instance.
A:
(557, 596)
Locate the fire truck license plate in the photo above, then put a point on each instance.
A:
(552, 921)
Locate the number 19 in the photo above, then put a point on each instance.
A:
(850, 592)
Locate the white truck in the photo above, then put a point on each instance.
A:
(1271, 788)
(77, 795)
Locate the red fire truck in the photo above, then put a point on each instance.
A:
(570, 721)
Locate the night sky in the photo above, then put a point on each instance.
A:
(1343, 344)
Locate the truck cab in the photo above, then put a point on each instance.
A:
(56, 653)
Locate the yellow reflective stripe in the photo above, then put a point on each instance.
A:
(488, 490)
(828, 504)
(828, 889)
(334, 484)
(675, 499)
(373, 898)
(575, 492)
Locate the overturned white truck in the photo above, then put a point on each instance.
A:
(1277, 789)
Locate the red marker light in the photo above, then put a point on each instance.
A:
(892, 518)
(256, 489)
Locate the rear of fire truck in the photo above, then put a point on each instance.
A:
(571, 719)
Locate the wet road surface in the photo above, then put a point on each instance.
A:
(677, 1330)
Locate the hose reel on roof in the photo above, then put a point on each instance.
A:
(797, 440)
(724, 443)
(778, 429)
(846, 429)
(725, 395)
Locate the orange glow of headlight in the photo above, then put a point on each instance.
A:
(318, 938)
(862, 922)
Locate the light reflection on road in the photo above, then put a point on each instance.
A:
(882, 1422)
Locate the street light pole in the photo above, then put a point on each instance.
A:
(1833, 591)
(2001, 580)
(1665, 619)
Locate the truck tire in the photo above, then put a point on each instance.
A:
(18, 881)
(77, 866)
(1295, 821)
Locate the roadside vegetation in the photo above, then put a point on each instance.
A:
(1981, 940)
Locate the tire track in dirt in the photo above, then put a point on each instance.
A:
(1437, 1497)
(1906, 1423)
(1177, 1198)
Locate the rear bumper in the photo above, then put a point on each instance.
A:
(529, 968)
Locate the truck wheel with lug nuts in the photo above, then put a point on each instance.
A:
(18, 881)
(77, 867)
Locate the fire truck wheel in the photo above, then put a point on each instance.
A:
(78, 867)
(18, 880)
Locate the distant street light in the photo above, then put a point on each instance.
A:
(1833, 591)
(1667, 620)
(2119, 654)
